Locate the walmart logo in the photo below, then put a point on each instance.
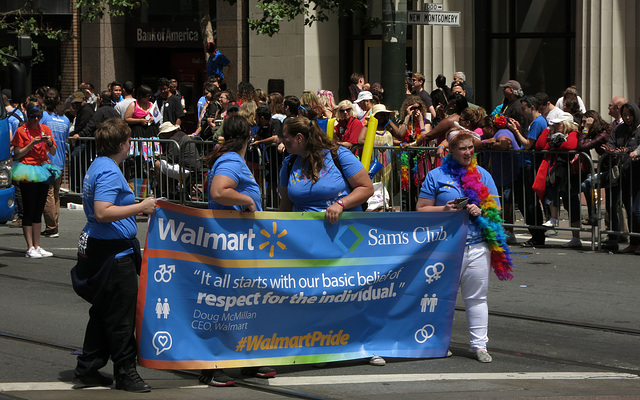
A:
(273, 238)
(350, 238)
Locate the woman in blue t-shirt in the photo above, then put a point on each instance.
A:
(109, 262)
(311, 181)
(232, 187)
(459, 184)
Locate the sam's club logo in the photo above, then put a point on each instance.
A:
(349, 239)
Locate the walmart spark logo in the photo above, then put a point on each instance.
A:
(450, 185)
(277, 242)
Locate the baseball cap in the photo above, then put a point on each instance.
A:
(78, 97)
(233, 106)
(513, 84)
(7, 92)
(364, 95)
(563, 116)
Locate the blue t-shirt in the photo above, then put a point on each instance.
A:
(538, 125)
(505, 164)
(442, 187)
(104, 182)
(14, 121)
(307, 196)
(201, 102)
(233, 166)
(59, 125)
(215, 64)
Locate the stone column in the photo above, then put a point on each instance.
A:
(233, 40)
(607, 53)
(444, 49)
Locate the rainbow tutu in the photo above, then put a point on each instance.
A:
(34, 173)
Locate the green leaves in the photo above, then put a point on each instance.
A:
(312, 11)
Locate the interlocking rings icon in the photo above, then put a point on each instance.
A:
(434, 271)
(422, 334)
(163, 274)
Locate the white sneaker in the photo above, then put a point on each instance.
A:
(33, 253)
(43, 252)
(377, 361)
(550, 224)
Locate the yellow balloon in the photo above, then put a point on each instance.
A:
(330, 128)
(368, 142)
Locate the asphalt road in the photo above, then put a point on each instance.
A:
(567, 326)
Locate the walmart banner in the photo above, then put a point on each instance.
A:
(219, 289)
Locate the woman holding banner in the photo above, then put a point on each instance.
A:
(109, 261)
(320, 175)
(460, 184)
(232, 187)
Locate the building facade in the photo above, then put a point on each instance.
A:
(547, 45)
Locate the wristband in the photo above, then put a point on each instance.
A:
(340, 203)
(441, 145)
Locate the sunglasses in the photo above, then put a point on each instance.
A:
(345, 110)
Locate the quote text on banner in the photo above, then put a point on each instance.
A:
(219, 289)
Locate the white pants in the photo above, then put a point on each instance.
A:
(474, 285)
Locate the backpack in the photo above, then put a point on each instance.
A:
(336, 162)
(14, 113)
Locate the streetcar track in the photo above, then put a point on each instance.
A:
(575, 324)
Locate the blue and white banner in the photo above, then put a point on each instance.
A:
(219, 289)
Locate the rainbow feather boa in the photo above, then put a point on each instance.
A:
(489, 222)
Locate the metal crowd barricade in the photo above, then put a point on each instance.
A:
(613, 189)
(397, 182)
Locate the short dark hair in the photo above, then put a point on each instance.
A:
(110, 135)
(441, 81)
(163, 82)
(263, 111)
(128, 87)
(542, 97)
(531, 101)
(114, 83)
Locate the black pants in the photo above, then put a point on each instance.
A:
(528, 203)
(34, 197)
(110, 331)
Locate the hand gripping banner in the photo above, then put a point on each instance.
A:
(219, 289)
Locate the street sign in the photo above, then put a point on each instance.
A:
(440, 18)
(432, 7)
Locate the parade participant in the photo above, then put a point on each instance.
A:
(109, 262)
(232, 187)
(313, 181)
(461, 177)
(320, 175)
(33, 143)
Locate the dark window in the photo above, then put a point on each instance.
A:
(530, 41)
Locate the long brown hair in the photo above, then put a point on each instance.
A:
(316, 142)
(235, 131)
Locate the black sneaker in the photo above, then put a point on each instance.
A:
(259, 372)
(51, 233)
(215, 377)
(127, 379)
(92, 379)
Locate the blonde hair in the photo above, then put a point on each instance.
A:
(346, 103)
(248, 110)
